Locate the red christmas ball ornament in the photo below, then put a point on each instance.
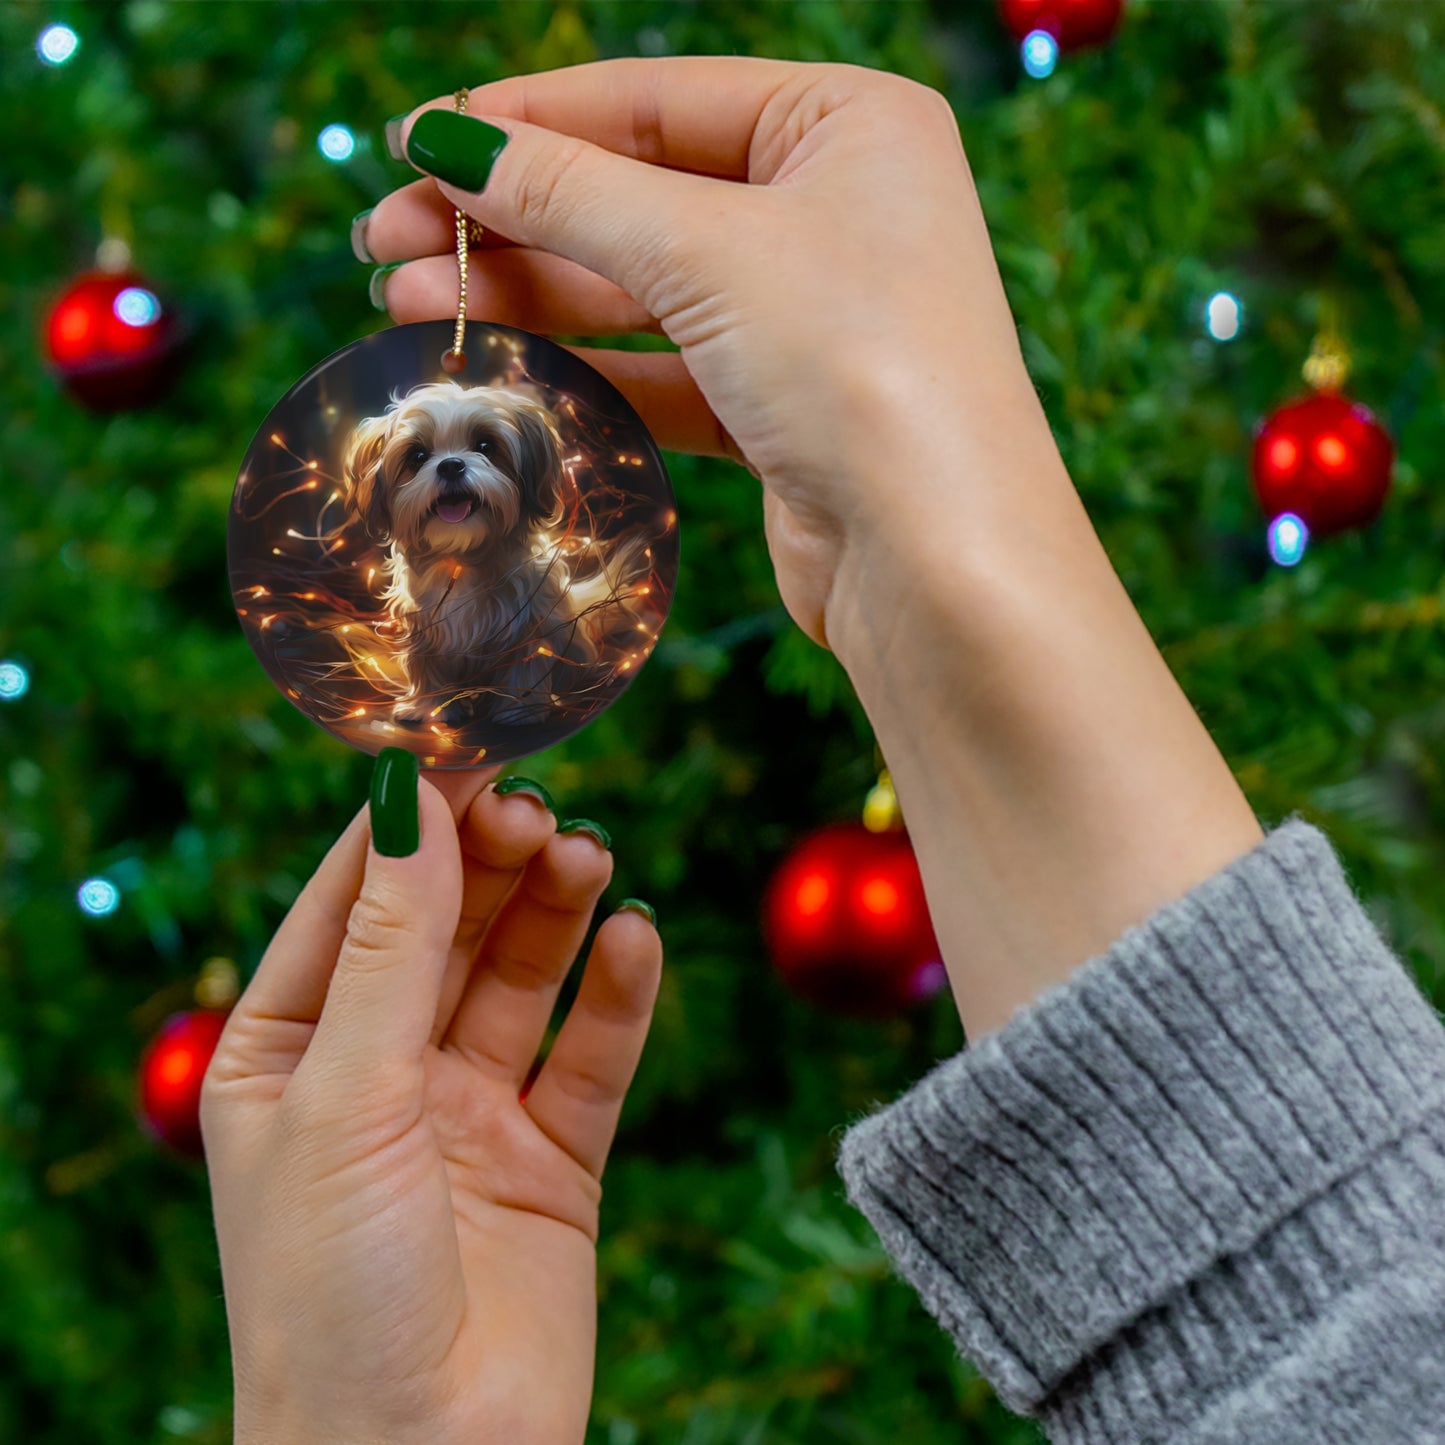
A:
(112, 341)
(1072, 23)
(171, 1072)
(1324, 458)
(847, 924)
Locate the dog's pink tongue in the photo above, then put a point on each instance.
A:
(453, 511)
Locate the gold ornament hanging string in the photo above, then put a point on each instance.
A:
(469, 233)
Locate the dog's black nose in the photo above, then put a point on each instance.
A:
(451, 469)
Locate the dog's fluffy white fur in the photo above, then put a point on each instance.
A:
(464, 485)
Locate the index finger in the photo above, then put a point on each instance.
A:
(696, 113)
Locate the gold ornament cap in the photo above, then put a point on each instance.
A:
(881, 813)
(1328, 366)
(219, 985)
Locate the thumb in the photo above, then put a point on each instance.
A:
(628, 221)
(382, 1000)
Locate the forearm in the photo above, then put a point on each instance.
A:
(1056, 782)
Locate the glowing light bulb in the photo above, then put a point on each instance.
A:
(14, 681)
(57, 44)
(1223, 316)
(98, 897)
(1288, 538)
(1040, 54)
(136, 306)
(336, 143)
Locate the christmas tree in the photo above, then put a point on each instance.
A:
(1179, 214)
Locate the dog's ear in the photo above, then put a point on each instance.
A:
(365, 490)
(541, 462)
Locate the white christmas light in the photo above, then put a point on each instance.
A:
(1288, 537)
(1223, 316)
(57, 44)
(98, 897)
(136, 306)
(14, 681)
(1040, 52)
(336, 143)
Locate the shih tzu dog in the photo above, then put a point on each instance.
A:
(465, 485)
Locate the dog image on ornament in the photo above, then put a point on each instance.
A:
(464, 487)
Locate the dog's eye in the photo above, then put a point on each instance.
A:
(480, 445)
(416, 455)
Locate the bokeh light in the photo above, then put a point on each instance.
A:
(57, 44)
(98, 897)
(336, 143)
(1040, 52)
(1223, 316)
(1288, 538)
(14, 681)
(136, 306)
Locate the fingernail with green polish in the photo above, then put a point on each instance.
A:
(376, 288)
(395, 813)
(358, 236)
(528, 786)
(636, 905)
(455, 148)
(586, 825)
(393, 136)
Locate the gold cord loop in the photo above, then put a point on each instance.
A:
(469, 233)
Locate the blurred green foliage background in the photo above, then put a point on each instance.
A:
(1283, 152)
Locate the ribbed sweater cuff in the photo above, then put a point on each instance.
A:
(1167, 1151)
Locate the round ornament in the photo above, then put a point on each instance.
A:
(172, 1070)
(1073, 23)
(1324, 458)
(847, 923)
(112, 341)
(465, 552)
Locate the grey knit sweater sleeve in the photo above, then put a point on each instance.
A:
(1196, 1192)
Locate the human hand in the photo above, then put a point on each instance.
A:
(810, 237)
(407, 1246)
(842, 302)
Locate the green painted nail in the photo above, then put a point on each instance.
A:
(455, 148)
(395, 820)
(636, 905)
(392, 132)
(358, 237)
(586, 825)
(528, 786)
(377, 287)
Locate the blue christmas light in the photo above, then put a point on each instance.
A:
(14, 681)
(136, 306)
(98, 897)
(336, 143)
(1288, 538)
(1040, 53)
(57, 44)
(1223, 316)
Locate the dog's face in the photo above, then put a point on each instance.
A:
(452, 469)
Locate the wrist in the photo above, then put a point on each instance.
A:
(1056, 782)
